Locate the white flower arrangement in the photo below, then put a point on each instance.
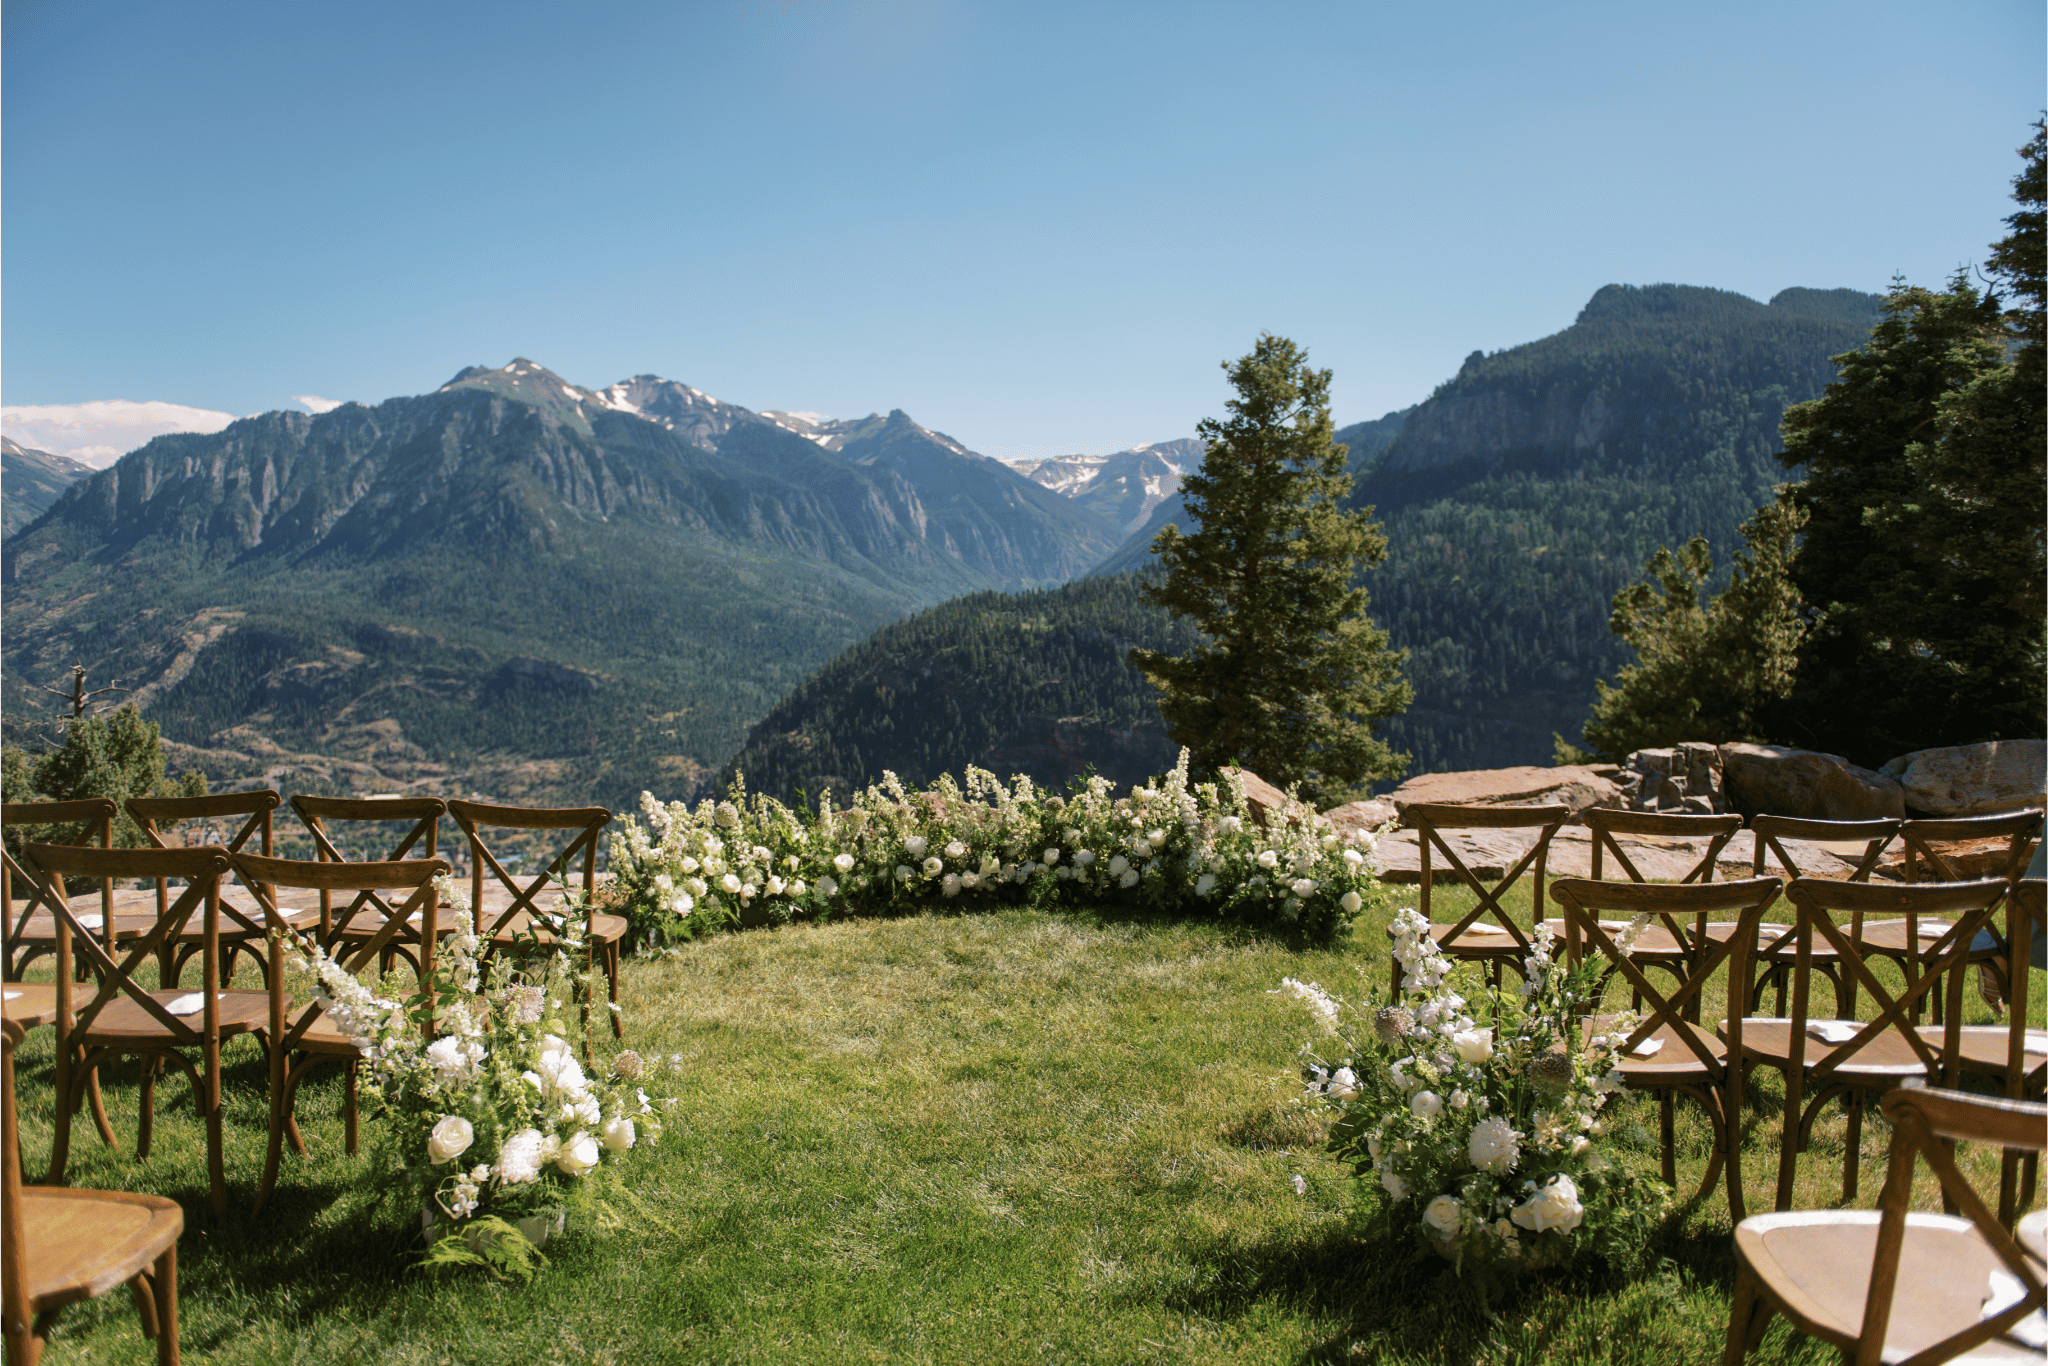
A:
(494, 1114)
(1485, 1135)
(1167, 846)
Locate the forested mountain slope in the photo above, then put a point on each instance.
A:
(31, 480)
(513, 584)
(1030, 683)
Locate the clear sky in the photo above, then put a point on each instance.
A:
(1037, 226)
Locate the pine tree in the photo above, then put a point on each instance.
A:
(1293, 675)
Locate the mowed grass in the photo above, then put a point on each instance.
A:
(1007, 1137)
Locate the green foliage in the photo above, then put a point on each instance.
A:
(1033, 683)
(488, 1243)
(1923, 558)
(1292, 674)
(1718, 670)
(115, 754)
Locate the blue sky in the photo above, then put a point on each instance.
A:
(1036, 226)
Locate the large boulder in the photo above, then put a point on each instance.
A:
(1366, 815)
(1265, 800)
(1777, 780)
(1576, 786)
(1973, 780)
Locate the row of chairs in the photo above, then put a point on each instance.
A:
(30, 930)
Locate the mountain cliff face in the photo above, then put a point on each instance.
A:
(405, 584)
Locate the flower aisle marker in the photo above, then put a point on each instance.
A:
(492, 1117)
(1484, 1132)
(1168, 846)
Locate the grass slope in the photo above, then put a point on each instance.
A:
(1000, 1138)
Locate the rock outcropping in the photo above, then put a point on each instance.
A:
(1973, 780)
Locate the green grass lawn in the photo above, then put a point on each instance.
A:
(1004, 1137)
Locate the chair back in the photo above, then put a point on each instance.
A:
(199, 870)
(1925, 1121)
(1771, 831)
(420, 840)
(1430, 819)
(94, 819)
(1682, 909)
(1606, 823)
(2019, 828)
(160, 816)
(582, 825)
(376, 884)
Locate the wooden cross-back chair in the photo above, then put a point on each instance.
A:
(305, 1039)
(31, 929)
(1925, 862)
(159, 818)
(1895, 1284)
(1488, 934)
(523, 917)
(1850, 1057)
(60, 1247)
(1667, 1053)
(366, 914)
(1657, 947)
(1769, 833)
(123, 1017)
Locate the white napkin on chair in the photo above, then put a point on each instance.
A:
(2006, 1291)
(1483, 928)
(1773, 932)
(1833, 1031)
(192, 1002)
(10, 996)
(90, 921)
(1648, 1048)
(2037, 1041)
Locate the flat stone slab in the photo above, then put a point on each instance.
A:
(1490, 853)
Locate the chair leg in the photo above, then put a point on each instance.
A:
(611, 972)
(1852, 1150)
(164, 1285)
(145, 1123)
(1667, 1106)
(216, 1158)
(1747, 1318)
(98, 1104)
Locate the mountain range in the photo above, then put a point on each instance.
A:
(1517, 499)
(31, 480)
(514, 583)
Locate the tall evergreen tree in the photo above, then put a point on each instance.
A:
(1292, 675)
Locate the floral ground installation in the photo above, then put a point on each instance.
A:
(489, 1114)
(1479, 1124)
(1170, 846)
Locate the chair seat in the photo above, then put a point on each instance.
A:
(123, 1021)
(1673, 1062)
(1476, 942)
(1887, 938)
(1654, 944)
(41, 930)
(1983, 1047)
(1769, 1040)
(83, 1243)
(610, 929)
(29, 1004)
(1817, 1263)
(364, 927)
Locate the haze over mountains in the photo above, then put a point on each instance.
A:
(524, 587)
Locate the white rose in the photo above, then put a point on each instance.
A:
(696, 886)
(955, 849)
(1442, 1214)
(1473, 1045)
(688, 865)
(451, 1139)
(1052, 854)
(663, 881)
(914, 846)
(578, 1156)
(1352, 859)
(1205, 884)
(1268, 859)
(933, 866)
(1072, 835)
(1083, 857)
(683, 904)
(731, 883)
(775, 885)
(1155, 838)
(1232, 823)
(1304, 887)
(1343, 1085)
(1426, 1104)
(904, 872)
(1141, 849)
(1459, 1100)
(797, 887)
(1119, 865)
(950, 884)
(619, 1135)
(969, 881)
(843, 862)
(1350, 902)
(1129, 878)
(1556, 1206)
(828, 886)
(1396, 1187)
